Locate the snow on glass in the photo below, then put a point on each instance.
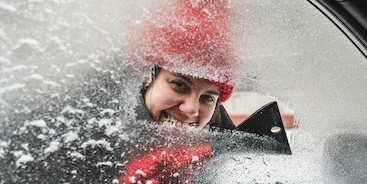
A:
(68, 92)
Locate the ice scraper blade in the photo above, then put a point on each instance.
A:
(266, 121)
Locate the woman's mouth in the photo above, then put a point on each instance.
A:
(170, 119)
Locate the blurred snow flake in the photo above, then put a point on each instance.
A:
(7, 7)
(36, 76)
(76, 154)
(37, 123)
(54, 146)
(3, 60)
(12, 87)
(104, 123)
(23, 159)
(4, 146)
(107, 163)
(51, 83)
(70, 137)
(32, 43)
(94, 143)
(41, 136)
(111, 130)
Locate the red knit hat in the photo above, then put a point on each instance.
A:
(193, 38)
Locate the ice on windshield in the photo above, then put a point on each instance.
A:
(68, 93)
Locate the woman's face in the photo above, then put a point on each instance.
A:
(181, 99)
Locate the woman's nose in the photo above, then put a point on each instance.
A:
(190, 107)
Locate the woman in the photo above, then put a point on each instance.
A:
(190, 49)
(192, 41)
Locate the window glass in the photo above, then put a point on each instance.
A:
(68, 94)
(294, 53)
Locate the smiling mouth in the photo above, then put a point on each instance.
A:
(168, 118)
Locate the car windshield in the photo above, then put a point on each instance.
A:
(68, 94)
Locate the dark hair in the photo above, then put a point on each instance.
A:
(155, 71)
(216, 119)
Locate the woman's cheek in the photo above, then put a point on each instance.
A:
(205, 117)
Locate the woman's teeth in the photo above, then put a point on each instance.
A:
(174, 121)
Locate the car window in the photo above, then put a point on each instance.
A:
(294, 53)
(67, 90)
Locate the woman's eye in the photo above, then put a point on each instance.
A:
(208, 98)
(180, 86)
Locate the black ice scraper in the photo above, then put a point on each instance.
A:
(265, 121)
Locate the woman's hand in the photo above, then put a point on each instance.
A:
(176, 165)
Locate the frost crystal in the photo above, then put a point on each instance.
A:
(24, 159)
(77, 155)
(132, 179)
(94, 143)
(176, 174)
(140, 172)
(54, 146)
(70, 137)
(195, 159)
(108, 163)
(38, 123)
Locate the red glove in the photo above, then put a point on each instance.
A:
(167, 165)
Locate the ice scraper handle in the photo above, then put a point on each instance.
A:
(167, 165)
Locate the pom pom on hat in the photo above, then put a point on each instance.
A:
(192, 38)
